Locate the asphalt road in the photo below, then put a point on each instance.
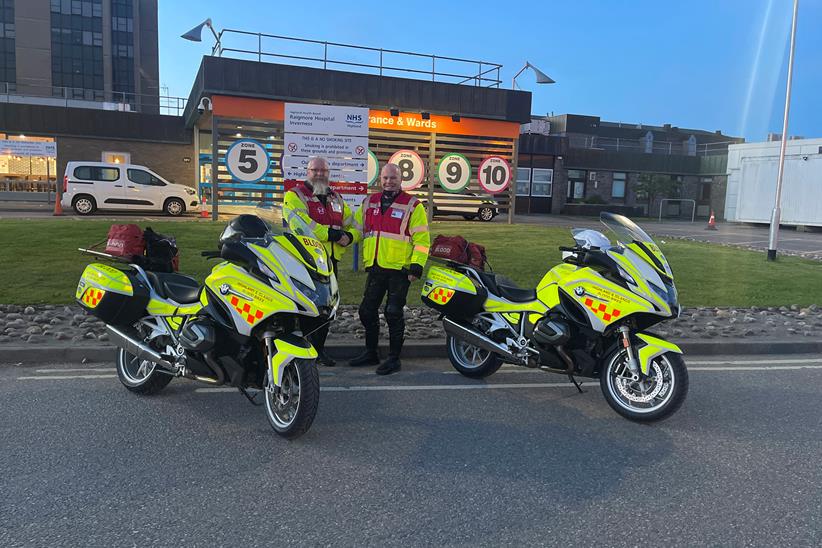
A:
(424, 457)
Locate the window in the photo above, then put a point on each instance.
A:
(117, 157)
(523, 181)
(618, 186)
(144, 178)
(93, 173)
(543, 183)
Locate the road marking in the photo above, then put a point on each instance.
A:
(75, 370)
(65, 377)
(761, 368)
(753, 362)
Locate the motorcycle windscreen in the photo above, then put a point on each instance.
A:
(630, 235)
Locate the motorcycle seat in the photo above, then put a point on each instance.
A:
(505, 288)
(177, 287)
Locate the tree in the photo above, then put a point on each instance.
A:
(655, 185)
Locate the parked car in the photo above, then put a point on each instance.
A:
(469, 205)
(89, 186)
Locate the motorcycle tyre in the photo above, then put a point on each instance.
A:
(308, 403)
(489, 365)
(680, 373)
(151, 384)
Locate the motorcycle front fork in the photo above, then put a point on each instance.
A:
(633, 366)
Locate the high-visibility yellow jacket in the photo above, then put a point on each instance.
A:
(300, 201)
(396, 238)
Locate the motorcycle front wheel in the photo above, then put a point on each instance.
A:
(652, 398)
(292, 406)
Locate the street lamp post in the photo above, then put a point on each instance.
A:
(542, 78)
(777, 212)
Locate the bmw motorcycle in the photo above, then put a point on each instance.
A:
(589, 317)
(241, 328)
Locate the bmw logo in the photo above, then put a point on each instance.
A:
(224, 289)
(580, 291)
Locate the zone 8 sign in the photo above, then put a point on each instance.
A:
(494, 174)
(454, 172)
(412, 169)
(247, 161)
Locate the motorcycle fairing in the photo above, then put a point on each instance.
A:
(653, 348)
(289, 348)
(248, 300)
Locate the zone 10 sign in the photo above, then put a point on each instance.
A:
(494, 174)
(412, 168)
(247, 161)
(454, 172)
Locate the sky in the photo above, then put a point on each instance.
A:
(699, 64)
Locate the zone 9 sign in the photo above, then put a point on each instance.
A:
(247, 160)
(412, 169)
(454, 172)
(494, 174)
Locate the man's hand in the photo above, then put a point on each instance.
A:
(414, 272)
(346, 239)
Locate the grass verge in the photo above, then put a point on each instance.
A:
(40, 264)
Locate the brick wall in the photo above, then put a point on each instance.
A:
(163, 158)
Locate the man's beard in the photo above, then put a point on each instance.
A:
(319, 186)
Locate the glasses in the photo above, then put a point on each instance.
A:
(318, 170)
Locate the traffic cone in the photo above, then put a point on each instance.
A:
(203, 210)
(711, 222)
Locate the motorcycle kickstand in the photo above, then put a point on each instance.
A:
(573, 380)
(252, 399)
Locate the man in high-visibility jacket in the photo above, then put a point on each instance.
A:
(395, 246)
(332, 222)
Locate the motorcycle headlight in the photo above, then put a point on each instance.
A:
(267, 271)
(321, 296)
(625, 276)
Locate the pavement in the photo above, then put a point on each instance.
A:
(737, 234)
(429, 348)
(423, 457)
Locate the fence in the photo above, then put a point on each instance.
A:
(69, 97)
(385, 62)
(618, 144)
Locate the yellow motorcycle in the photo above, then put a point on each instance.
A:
(587, 317)
(241, 328)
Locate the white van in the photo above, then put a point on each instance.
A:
(89, 186)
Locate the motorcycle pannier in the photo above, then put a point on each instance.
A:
(114, 296)
(452, 293)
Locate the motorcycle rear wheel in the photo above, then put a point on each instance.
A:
(653, 398)
(470, 360)
(140, 376)
(291, 407)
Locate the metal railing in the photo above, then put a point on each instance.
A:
(69, 97)
(618, 144)
(693, 209)
(324, 54)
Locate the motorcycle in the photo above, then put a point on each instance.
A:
(587, 317)
(241, 328)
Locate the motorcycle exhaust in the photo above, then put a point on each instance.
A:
(137, 348)
(478, 339)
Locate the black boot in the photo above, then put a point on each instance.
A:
(391, 365)
(368, 357)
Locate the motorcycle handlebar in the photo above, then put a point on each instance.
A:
(571, 249)
(210, 254)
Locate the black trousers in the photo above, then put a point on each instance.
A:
(395, 283)
(317, 327)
